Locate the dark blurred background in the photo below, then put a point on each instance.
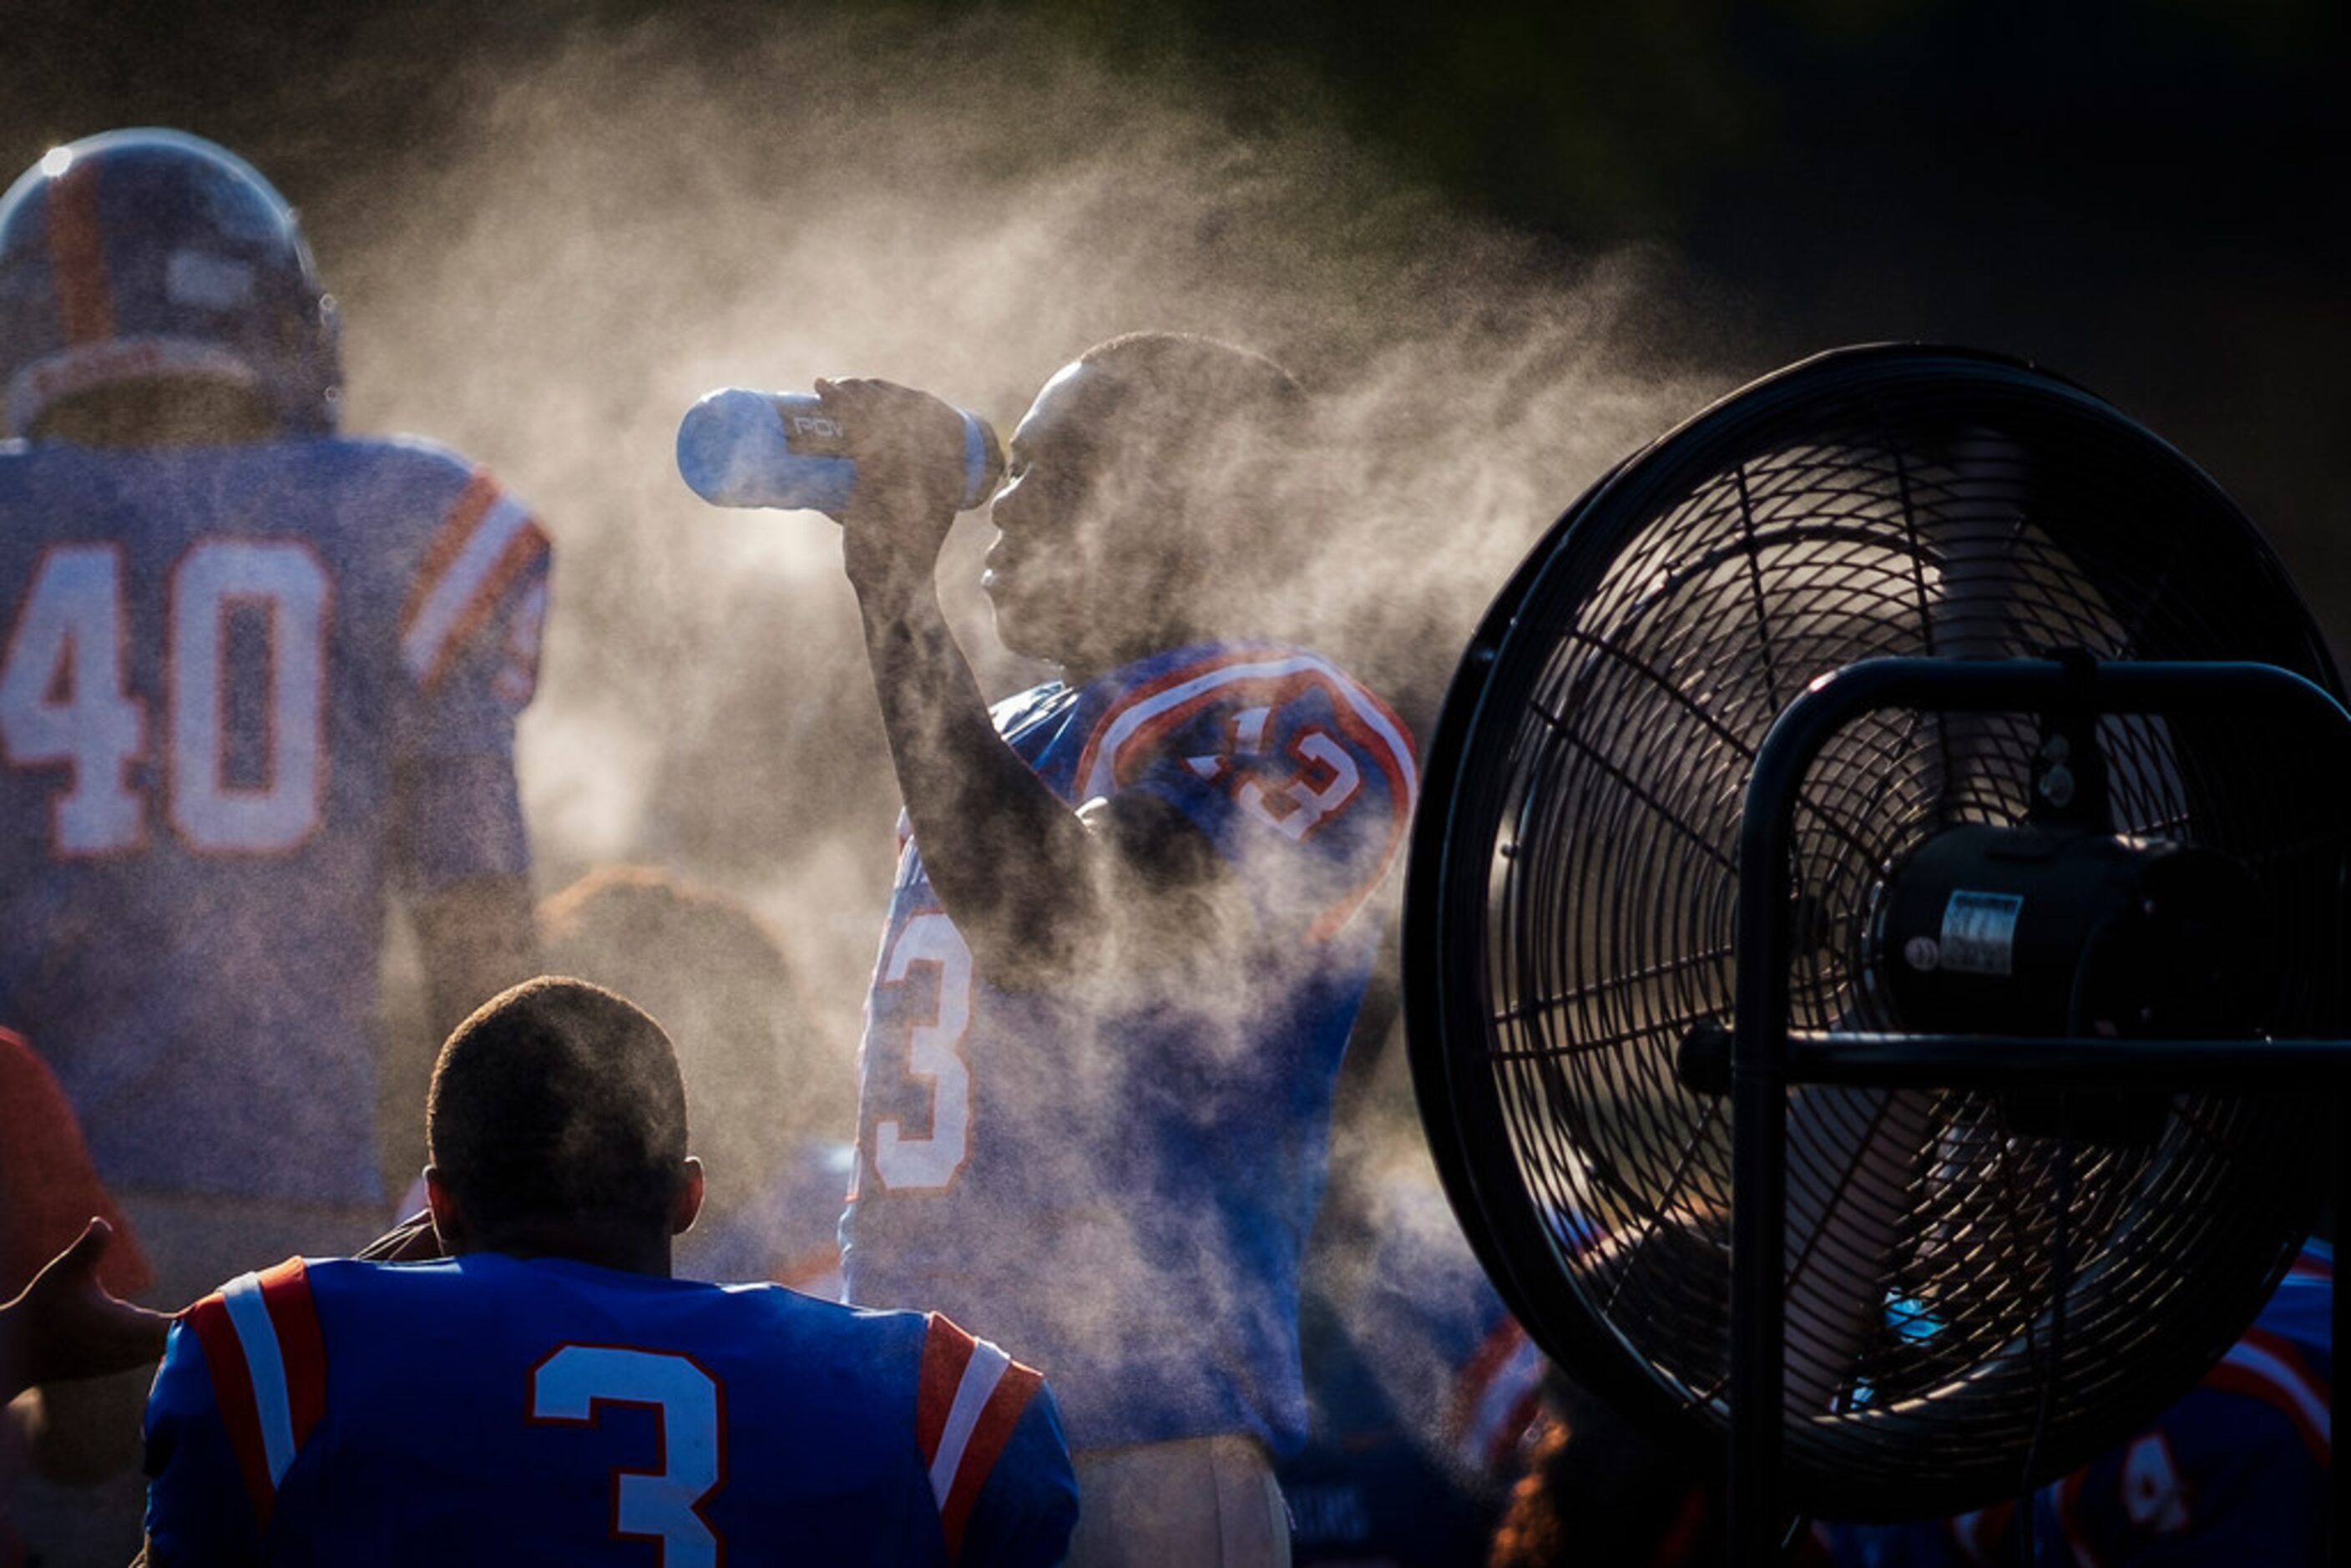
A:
(2142, 193)
(2146, 195)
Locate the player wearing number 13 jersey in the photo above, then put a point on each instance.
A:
(255, 678)
(549, 1393)
(1164, 1149)
(1131, 930)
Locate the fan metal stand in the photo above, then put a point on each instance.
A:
(1767, 1058)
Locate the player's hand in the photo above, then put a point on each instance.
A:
(910, 476)
(66, 1325)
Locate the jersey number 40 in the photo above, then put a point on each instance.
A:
(66, 698)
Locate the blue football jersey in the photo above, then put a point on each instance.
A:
(2236, 1472)
(1119, 1175)
(245, 691)
(1422, 1389)
(489, 1409)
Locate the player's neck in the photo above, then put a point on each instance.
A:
(629, 1253)
(160, 411)
(1116, 653)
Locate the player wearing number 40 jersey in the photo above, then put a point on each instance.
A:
(548, 1393)
(255, 678)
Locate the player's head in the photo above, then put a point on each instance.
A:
(557, 1124)
(155, 270)
(1140, 486)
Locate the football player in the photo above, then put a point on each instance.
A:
(256, 677)
(1423, 1389)
(1131, 929)
(549, 1393)
(2237, 1471)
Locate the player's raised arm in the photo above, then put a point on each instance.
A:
(1117, 487)
(1013, 865)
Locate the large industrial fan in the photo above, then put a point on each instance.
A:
(1977, 1287)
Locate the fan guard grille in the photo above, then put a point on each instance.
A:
(1569, 915)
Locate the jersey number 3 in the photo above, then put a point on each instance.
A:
(927, 950)
(665, 1505)
(66, 697)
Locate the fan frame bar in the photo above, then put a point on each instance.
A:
(1767, 1059)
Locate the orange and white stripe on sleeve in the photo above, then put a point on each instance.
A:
(486, 542)
(268, 1366)
(1259, 682)
(2267, 1366)
(970, 1397)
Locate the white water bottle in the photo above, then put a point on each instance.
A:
(737, 447)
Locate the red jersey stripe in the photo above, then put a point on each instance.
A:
(2266, 1368)
(1487, 1359)
(233, 1392)
(481, 493)
(527, 546)
(286, 1291)
(77, 255)
(993, 1430)
(946, 1351)
(1129, 700)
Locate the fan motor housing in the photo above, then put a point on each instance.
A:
(2031, 930)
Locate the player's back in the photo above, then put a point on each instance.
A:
(218, 659)
(492, 1409)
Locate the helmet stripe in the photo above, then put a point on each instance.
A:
(77, 255)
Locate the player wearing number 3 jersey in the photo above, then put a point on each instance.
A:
(1131, 930)
(256, 679)
(548, 1393)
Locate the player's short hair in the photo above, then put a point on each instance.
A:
(1223, 437)
(1189, 387)
(559, 1099)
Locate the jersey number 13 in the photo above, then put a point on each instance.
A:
(927, 962)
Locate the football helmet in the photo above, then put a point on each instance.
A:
(151, 253)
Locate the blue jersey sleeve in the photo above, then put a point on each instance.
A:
(1301, 779)
(199, 1511)
(1029, 1504)
(470, 639)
